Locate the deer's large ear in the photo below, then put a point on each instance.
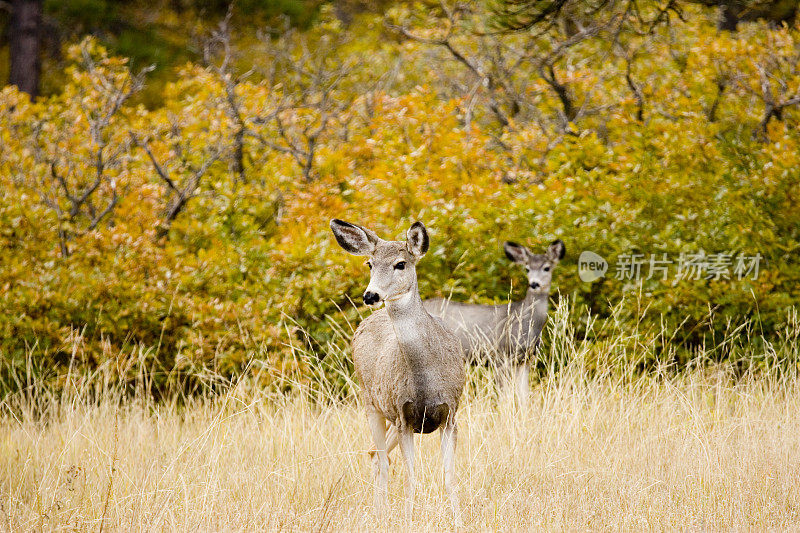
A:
(556, 251)
(516, 252)
(417, 240)
(353, 238)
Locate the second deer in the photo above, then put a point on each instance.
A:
(508, 334)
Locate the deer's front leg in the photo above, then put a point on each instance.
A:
(407, 447)
(377, 425)
(449, 436)
(392, 438)
(523, 382)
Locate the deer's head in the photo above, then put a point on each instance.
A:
(539, 266)
(392, 263)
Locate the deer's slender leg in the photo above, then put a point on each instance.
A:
(392, 438)
(407, 446)
(377, 425)
(449, 436)
(523, 383)
(504, 377)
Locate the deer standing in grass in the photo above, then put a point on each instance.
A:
(409, 363)
(509, 333)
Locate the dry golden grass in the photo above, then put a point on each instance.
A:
(696, 451)
(699, 449)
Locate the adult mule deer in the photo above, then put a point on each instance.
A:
(508, 334)
(409, 364)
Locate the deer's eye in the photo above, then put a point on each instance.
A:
(547, 269)
(400, 266)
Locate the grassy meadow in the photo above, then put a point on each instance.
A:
(175, 314)
(707, 448)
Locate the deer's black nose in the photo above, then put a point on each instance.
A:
(534, 285)
(371, 297)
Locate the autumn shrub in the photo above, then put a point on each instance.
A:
(199, 229)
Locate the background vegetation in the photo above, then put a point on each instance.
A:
(181, 214)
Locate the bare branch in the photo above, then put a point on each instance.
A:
(186, 193)
(712, 112)
(481, 76)
(310, 104)
(114, 199)
(158, 168)
(81, 214)
(635, 89)
(221, 38)
(548, 74)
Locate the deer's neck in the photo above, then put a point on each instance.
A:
(410, 320)
(535, 302)
(407, 307)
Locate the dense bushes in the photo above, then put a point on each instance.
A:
(199, 229)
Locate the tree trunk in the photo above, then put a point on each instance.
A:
(728, 17)
(24, 36)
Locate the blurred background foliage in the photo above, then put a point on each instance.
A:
(183, 211)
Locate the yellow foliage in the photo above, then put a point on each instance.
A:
(91, 244)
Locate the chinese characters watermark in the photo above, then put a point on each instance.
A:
(686, 266)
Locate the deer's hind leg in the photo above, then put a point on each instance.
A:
(392, 438)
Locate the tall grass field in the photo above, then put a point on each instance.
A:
(600, 446)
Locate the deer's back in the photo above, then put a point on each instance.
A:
(503, 331)
(472, 324)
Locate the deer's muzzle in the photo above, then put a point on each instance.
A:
(371, 298)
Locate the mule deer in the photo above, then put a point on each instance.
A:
(509, 333)
(409, 364)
